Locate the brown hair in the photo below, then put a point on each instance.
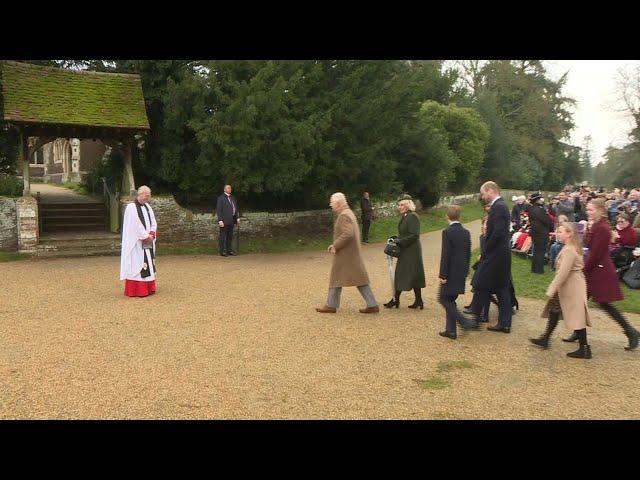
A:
(453, 213)
(574, 241)
(624, 216)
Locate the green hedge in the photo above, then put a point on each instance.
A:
(10, 186)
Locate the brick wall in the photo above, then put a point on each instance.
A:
(177, 225)
(8, 225)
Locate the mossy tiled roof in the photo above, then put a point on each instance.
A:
(47, 95)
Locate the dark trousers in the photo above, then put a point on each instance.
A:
(504, 304)
(475, 306)
(454, 315)
(539, 249)
(366, 223)
(225, 238)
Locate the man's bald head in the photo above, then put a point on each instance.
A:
(338, 201)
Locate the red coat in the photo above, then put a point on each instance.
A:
(602, 280)
(628, 238)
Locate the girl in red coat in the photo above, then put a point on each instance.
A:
(602, 281)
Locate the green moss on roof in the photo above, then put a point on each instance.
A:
(47, 95)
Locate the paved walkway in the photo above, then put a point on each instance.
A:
(239, 338)
(53, 194)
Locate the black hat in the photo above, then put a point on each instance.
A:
(535, 196)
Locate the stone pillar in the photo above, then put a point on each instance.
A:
(27, 213)
(128, 183)
(24, 156)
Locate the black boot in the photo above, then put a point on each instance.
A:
(584, 351)
(633, 337)
(395, 302)
(418, 301)
(571, 338)
(631, 333)
(543, 341)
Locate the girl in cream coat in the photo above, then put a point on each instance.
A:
(568, 293)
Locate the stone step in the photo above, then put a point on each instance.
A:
(93, 252)
(72, 206)
(106, 244)
(66, 227)
(74, 211)
(83, 220)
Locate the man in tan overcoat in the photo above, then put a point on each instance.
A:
(347, 269)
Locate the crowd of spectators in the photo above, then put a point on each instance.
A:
(569, 205)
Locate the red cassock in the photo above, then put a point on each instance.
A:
(135, 288)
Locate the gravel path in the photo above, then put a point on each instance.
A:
(239, 338)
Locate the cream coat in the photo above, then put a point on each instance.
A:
(571, 287)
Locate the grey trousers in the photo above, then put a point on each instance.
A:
(333, 300)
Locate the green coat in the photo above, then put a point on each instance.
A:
(409, 269)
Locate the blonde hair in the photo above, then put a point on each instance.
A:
(561, 219)
(574, 240)
(598, 203)
(409, 203)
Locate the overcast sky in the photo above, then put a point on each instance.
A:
(592, 83)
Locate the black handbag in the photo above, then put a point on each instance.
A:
(392, 248)
(632, 277)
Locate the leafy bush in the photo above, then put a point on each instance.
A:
(10, 186)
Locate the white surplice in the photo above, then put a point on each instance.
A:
(133, 232)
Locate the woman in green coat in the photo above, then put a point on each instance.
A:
(409, 269)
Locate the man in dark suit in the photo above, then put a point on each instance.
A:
(367, 213)
(454, 267)
(541, 225)
(227, 211)
(494, 269)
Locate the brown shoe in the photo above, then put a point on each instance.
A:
(325, 309)
(375, 309)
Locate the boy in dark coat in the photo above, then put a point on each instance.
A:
(454, 267)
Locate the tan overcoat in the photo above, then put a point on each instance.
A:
(348, 268)
(571, 286)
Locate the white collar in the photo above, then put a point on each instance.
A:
(494, 200)
(455, 221)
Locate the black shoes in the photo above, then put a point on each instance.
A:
(571, 338)
(417, 305)
(498, 328)
(468, 323)
(223, 254)
(452, 336)
(583, 352)
(232, 253)
(392, 303)
(541, 342)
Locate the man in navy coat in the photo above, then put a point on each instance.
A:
(227, 211)
(494, 269)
